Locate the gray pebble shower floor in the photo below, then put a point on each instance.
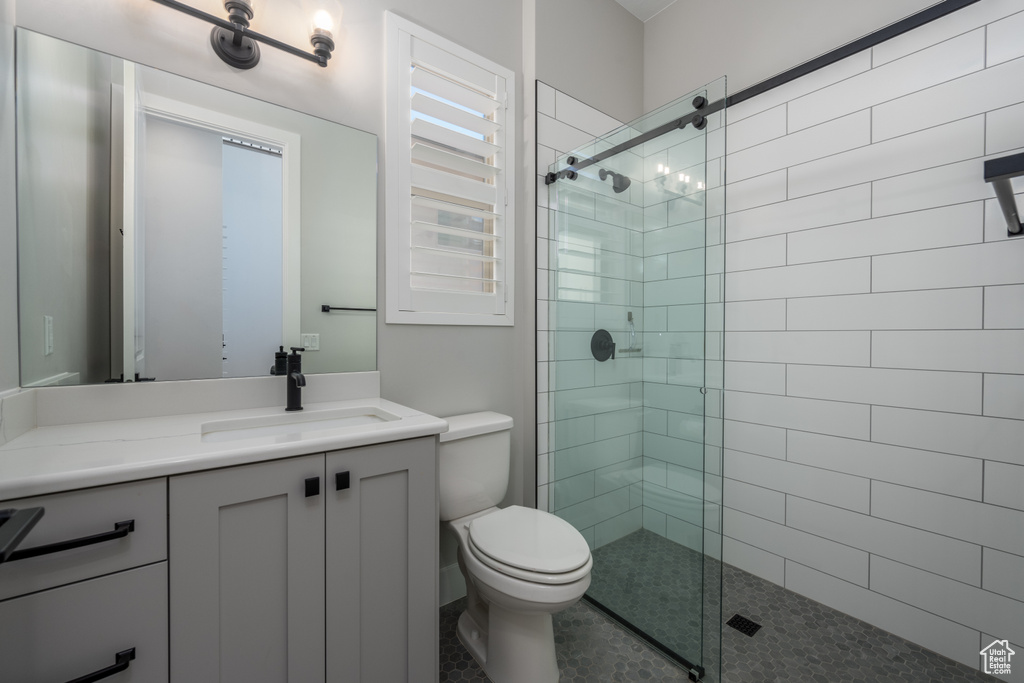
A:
(801, 641)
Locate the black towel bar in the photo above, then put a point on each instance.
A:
(324, 308)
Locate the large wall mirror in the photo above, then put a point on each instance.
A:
(168, 229)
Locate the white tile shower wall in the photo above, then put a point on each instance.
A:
(633, 426)
(874, 403)
(590, 417)
(680, 500)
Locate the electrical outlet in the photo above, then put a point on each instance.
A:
(47, 335)
(311, 342)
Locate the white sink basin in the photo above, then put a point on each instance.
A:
(292, 425)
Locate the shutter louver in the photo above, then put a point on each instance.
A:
(453, 251)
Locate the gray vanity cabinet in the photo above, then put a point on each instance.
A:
(382, 563)
(276, 577)
(247, 573)
(69, 613)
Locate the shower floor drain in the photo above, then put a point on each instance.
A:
(743, 625)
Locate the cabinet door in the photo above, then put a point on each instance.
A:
(382, 564)
(69, 632)
(247, 574)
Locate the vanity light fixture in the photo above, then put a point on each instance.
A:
(238, 45)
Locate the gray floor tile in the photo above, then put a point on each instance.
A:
(589, 648)
(800, 640)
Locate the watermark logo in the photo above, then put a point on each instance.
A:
(995, 658)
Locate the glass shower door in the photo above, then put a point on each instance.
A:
(635, 369)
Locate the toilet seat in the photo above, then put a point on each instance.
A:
(530, 545)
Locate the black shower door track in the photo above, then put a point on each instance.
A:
(889, 32)
(695, 671)
(900, 27)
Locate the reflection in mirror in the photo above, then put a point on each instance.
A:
(172, 230)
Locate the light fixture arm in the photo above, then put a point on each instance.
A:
(239, 31)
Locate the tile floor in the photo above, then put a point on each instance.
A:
(657, 586)
(801, 641)
(589, 647)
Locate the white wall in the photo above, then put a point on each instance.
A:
(592, 50)
(692, 43)
(8, 214)
(875, 388)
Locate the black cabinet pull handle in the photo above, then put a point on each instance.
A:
(121, 529)
(121, 662)
(342, 481)
(312, 487)
(14, 527)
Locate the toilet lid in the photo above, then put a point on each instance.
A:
(529, 539)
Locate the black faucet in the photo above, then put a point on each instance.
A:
(296, 380)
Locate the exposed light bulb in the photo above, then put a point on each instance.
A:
(682, 178)
(686, 178)
(661, 168)
(323, 20)
(700, 186)
(667, 171)
(321, 36)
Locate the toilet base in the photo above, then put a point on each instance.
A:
(513, 647)
(473, 638)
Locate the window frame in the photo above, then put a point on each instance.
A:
(440, 308)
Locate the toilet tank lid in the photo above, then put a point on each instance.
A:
(475, 424)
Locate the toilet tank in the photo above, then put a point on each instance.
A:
(473, 463)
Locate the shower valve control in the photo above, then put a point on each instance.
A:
(601, 346)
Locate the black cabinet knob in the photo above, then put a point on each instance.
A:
(342, 481)
(312, 487)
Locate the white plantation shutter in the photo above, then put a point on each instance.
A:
(450, 167)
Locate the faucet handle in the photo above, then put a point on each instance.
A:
(296, 349)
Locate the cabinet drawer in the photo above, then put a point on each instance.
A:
(68, 632)
(85, 513)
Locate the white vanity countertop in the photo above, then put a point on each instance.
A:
(71, 456)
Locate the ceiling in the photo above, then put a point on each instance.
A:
(645, 9)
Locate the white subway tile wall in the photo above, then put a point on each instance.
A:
(874, 406)
(588, 261)
(623, 442)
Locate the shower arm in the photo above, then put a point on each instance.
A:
(698, 120)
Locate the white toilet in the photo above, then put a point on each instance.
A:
(521, 565)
